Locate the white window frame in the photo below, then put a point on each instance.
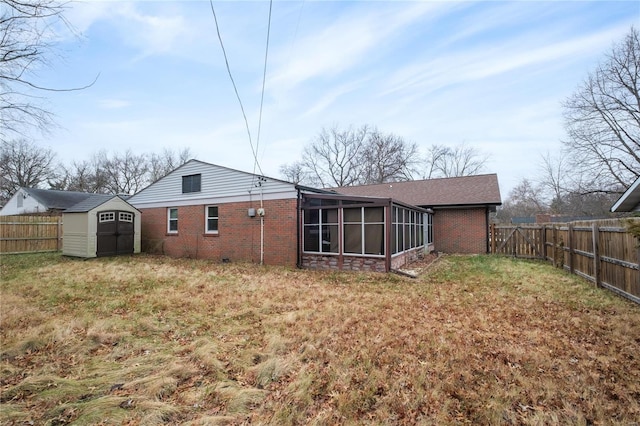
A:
(169, 219)
(125, 217)
(206, 220)
(106, 217)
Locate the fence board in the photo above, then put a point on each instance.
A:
(601, 251)
(30, 234)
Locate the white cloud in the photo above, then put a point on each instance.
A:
(113, 103)
(346, 43)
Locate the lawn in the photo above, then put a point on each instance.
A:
(151, 340)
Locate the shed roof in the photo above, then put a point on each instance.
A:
(442, 192)
(54, 199)
(90, 203)
(630, 200)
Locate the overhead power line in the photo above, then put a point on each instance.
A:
(264, 79)
(235, 88)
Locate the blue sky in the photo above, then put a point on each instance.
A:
(491, 74)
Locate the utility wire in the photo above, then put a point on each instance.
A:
(235, 88)
(264, 79)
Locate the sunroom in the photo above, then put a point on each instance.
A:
(361, 233)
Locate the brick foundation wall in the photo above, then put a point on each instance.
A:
(460, 231)
(238, 237)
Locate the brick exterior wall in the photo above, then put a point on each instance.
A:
(238, 237)
(460, 230)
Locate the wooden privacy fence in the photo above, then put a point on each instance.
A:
(30, 234)
(601, 251)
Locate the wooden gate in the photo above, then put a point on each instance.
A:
(115, 233)
(518, 241)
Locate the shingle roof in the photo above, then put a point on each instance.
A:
(456, 191)
(630, 200)
(54, 199)
(89, 203)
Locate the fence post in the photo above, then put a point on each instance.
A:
(596, 253)
(544, 242)
(571, 243)
(59, 233)
(493, 238)
(554, 246)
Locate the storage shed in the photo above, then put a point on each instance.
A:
(101, 225)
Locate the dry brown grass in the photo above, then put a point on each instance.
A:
(151, 340)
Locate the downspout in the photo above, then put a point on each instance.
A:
(486, 228)
(388, 223)
(298, 236)
(261, 227)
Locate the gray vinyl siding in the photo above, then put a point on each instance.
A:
(218, 184)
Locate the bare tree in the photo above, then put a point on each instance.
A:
(554, 181)
(353, 156)
(27, 43)
(602, 119)
(23, 164)
(125, 173)
(524, 200)
(435, 155)
(25, 28)
(82, 176)
(332, 159)
(388, 158)
(461, 160)
(162, 164)
(294, 172)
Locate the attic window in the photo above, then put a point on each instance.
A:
(191, 183)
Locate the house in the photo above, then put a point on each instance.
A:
(41, 201)
(461, 207)
(630, 200)
(101, 225)
(203, 210)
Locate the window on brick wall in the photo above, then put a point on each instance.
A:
(172, 220)
(211, 219)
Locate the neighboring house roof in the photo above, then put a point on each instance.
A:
(480, 190)
(54, 199)
(630, 200)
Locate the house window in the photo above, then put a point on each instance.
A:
(20, 200)
(364, 230)
(407, 229)
(191, 183)
(125, 217)
(429, 228)
(321, 231)
(172, 220)
(107, 217)
(211, 219)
